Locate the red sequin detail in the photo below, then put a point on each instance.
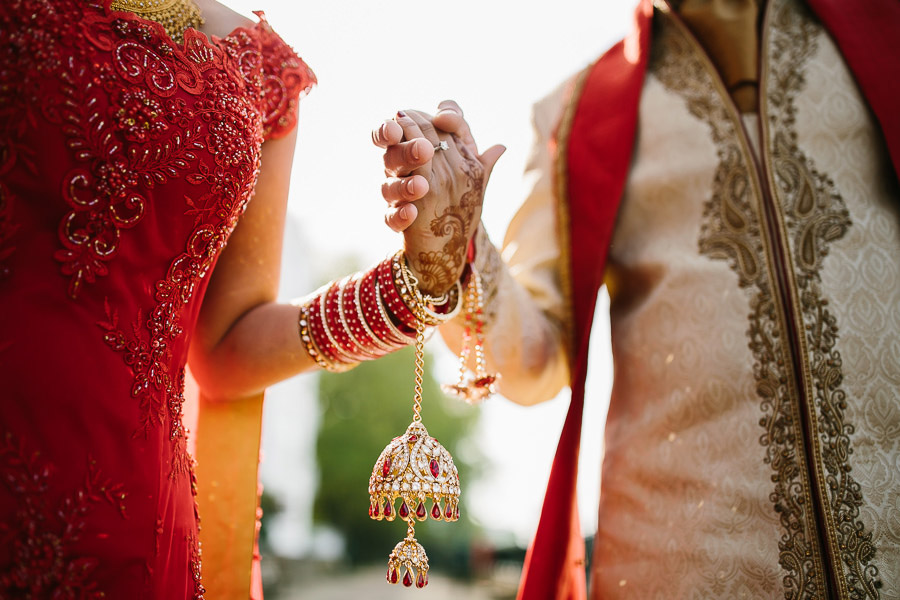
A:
(196, 568)
(161, 397)
(8, 226)
(42, 532)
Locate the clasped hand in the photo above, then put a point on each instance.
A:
(434, 196)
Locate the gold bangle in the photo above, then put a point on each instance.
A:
(307, 339)
(420, 303)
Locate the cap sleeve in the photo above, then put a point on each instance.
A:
(285, 79)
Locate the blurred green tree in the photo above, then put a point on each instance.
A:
(362, 411)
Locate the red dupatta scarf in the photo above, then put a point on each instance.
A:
(595, 141)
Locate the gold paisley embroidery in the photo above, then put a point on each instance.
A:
(816, 215)
(731, 231)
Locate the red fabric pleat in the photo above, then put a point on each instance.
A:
(866, 33)
(599, 153)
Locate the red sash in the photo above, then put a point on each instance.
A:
(595, 142)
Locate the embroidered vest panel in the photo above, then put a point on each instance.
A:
(751, 445)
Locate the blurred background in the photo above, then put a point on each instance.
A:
(323, 433)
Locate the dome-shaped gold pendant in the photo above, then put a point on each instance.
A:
(415, 468)
(419, 472)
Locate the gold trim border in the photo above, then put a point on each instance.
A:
(563, 212)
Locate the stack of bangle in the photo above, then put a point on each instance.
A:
(370, 314)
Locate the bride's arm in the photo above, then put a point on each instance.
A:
(244, 340)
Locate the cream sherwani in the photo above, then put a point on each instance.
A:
(753, 436)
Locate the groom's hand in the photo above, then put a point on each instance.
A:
(434, 195)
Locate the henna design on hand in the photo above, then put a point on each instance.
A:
(434, 271)
(438, 270)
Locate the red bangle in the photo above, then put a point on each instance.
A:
(392, 298)
(356, 324)
(319, 335)
(336, 326)
(375, 314)
(362, 317)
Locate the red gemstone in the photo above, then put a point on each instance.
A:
(388, 576)
(375, 510)
(420, 511)
(449, 511)
(420, 580)
(456, 514)
(395, 576)
(407, 580)
(404, 511)
(413, 437)
(485, 381)
(386, 467)
(371, 511)
(387, 508)
(436, 511)
(435, 468)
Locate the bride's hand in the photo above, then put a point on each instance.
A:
(434, 195)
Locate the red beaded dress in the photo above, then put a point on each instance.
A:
(126, 161)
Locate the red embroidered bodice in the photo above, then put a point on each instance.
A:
(125, 162)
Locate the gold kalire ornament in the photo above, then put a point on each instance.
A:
(480, 385)
(415, 468)
(419, 472)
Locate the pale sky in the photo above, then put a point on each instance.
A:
(496, 59)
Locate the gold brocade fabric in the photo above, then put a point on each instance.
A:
(728, 31)
(174, 15)
(738, 465)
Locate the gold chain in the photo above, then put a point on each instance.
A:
(420, 370)
(174, 15)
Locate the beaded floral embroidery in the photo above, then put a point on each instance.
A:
(42, 532)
